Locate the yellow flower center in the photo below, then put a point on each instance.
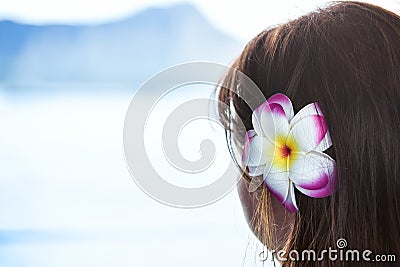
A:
(284, 150)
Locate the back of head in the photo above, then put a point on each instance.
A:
(346, 57)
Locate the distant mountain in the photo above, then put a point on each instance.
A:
(129, 50)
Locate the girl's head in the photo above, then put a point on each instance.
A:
(345, 57)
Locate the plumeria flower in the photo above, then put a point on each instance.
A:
(287, 151)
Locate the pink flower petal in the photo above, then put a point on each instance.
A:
(325, 143)
(310, 170)
(284, 102)
(314, 174)
(277, 182)
(269, 120)
(328, 190)
(307, 133)
(290, 202)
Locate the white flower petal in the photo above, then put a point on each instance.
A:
(307, 133)
(258, 151)
(308, 110)
(277, 182)
(285, 102)
(257, 120)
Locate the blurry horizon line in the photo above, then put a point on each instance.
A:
(90, 22)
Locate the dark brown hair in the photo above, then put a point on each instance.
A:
(346, 57)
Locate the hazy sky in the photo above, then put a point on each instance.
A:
(242, 19)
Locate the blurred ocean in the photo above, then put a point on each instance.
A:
(67, 199)
(66, 196)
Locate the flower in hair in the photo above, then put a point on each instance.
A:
(287, 150)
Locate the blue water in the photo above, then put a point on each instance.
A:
(67, 199)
